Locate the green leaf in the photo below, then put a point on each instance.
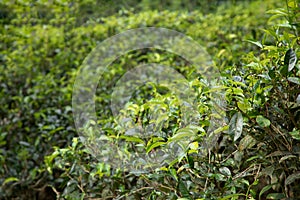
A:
(291, 178)
(56, 130)
(220, 129)
(194, 145)
(238, 91)
(295, 134)
(191, 161)
(225, 171)
(257, 43)
(243, 105)
(236, 125)
(262, 121)
(10, 179)
(266, 188)
(298, 99)
(183, 190)
(162, 118)
(189, 132)
(273, 34)
(279, 11)
(48, 161)
(231, 196)
(278, 153)
(153, 145)
(286, 157)
(252, 158)
(219, 177)
(132, 139)
(292, 3)
(294, 80)
(247, 142)
(290, 59)
(276, 196)
(173, 173)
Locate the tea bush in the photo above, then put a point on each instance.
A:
(255, 47)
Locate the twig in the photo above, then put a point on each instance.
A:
(135, 191)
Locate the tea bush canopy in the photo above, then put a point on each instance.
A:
(149, 99)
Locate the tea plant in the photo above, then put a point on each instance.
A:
(254, 154)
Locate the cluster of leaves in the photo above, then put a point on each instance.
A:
(256, 154)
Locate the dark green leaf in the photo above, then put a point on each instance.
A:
(290, 59)
(276, 196)
(231, 196)
(225, 171)
(183, 190)
(266, 188)
(287, 157)
(291, 178)
(262, 121)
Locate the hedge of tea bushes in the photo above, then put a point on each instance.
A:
(42, 48)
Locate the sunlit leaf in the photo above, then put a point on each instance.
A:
(236, 125)
(225, 171)
(132, 139)
(279, 11)
(298, 99)
(10, 179)
(294, 80)
(290, 59)
(292, 4)
(257, 43)
(154, 145)
(187, 132)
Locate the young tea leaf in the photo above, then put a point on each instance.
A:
(10, 179)
(153, 145)
(257, 43)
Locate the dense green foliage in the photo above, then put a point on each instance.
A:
(254, 45)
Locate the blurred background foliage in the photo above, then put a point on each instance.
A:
(254, 44)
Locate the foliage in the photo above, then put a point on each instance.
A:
(256, 155)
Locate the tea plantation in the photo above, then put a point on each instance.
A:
(226, 126)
